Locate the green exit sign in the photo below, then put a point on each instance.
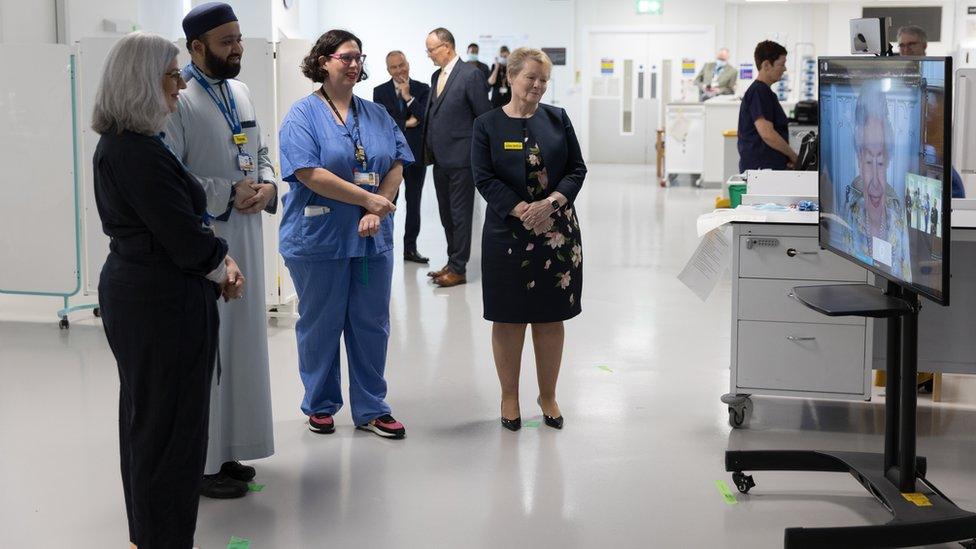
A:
(650, 7)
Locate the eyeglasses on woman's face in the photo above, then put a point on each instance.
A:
(348, 58)
(176, 75)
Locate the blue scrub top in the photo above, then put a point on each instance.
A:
(310, 137)
(758, 102)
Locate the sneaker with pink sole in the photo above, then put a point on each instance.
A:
(385, 426)
(321, 423)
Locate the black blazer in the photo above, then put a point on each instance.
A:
(499, 173)
(447, 131)
(385, 94)
(152, 208)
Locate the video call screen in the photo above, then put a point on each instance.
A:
(884, 166)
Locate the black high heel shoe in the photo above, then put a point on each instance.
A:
(512, 424)
(554, 422)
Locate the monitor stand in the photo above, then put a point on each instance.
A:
(922, 515)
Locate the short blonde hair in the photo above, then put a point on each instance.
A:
(518, 58)
(130, 95)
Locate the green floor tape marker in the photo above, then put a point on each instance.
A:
(532, 424)
(605, 369)
(253, 487)
(727, 494)
(238, 543)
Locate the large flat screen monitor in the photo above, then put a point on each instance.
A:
(885, 177)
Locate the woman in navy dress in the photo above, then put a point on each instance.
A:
(528, 166)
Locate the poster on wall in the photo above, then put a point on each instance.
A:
(606, 66)
(971, 22)
(556, 55)
(745, 71)
(687, 67)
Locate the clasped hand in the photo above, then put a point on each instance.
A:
(534, 216)
(251, 197)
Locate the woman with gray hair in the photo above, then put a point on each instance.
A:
(878, 231)
(157, 292)
(528, 166)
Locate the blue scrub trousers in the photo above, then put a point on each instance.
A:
(338, 297)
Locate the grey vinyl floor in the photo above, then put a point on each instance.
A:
(636, 465)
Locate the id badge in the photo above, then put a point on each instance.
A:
(240, 139)
(367, 179)
(245, 162)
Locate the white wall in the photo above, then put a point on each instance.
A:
(30, 22)
(300, 21)
(548, 23)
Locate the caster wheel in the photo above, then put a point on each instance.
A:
(743, 482)
(737, 416)
(64, 324)
(97, 312)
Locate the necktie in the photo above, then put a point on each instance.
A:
(441, 80)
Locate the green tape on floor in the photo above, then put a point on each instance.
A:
(605, 369)
(532, 424)
(238, 543)
(253, 487)
(727, 494)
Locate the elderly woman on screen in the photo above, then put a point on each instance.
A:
(157, 292)
(878, 229)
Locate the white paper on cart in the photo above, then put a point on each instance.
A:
(711, 221)
(707, 264)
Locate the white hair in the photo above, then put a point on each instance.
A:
(872, 104)
(130, 95)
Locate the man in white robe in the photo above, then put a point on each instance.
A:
(215, 134)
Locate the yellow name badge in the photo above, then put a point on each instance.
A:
(513, 145)
(240, 138)
(918, 499)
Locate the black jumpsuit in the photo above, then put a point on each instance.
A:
(160, 317)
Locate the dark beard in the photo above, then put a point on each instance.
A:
(219, 68)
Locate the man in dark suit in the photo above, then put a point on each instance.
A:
(457, 98)
(406, 101)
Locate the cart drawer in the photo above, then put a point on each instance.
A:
(793, 257)
(824, 358)
(769, 300)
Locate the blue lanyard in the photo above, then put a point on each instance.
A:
(233, 120)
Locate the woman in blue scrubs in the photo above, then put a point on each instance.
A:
(343, 157)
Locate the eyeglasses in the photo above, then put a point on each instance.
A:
(348, 58)
(432, 50)
(175, 74)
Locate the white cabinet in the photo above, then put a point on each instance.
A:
(780, 347)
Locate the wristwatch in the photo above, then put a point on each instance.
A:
(555, 203)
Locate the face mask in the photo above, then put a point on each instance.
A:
(719, 64)
(472, 57)
(503, 61)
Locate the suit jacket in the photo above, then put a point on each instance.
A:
(447, 129)
(499, 172)
(726, 80)
(385, 94)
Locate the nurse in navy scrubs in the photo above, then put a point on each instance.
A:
(343, 157)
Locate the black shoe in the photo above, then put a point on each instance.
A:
(415, 257)
(512, 424)
(554, 422)
(238, 471)
(222, 487)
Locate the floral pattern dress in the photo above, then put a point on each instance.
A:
(544, 278)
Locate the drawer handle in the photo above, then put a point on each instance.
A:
(798, 338)
(793, 253)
